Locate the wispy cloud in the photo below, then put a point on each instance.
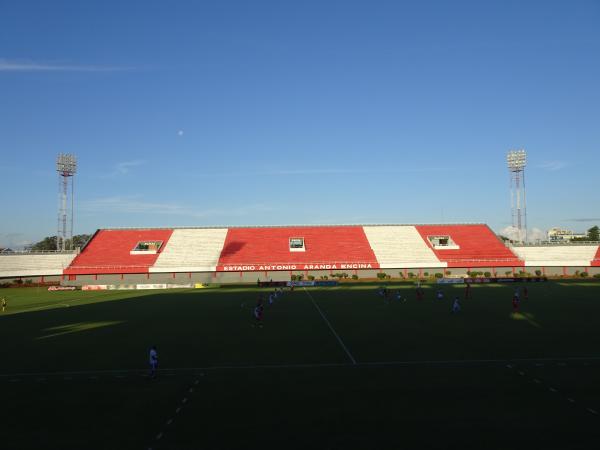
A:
(135, 204)
(7, 65)
(14, 240)
(123, 168)
(553, 166)
(326, 171)
(533, 234)
(584, 219)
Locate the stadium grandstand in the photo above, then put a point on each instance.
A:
(44, 266)
(248, 254)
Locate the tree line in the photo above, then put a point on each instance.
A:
(49, 243)
(593, 234)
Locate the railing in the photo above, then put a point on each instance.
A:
(38, 252)
(109, 267)
(555, 244)
(300, 266)
(490, 260)
(293, 226)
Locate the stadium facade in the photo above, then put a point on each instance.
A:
(245, 254)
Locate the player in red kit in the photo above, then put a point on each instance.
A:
(515, 304)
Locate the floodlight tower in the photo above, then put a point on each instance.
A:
(516, 160)
(66, 166)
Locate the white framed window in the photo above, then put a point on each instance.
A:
(297, 244)
(146, 248)
(443, 242)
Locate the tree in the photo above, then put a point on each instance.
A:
(80, 240)
(594, 233)
(49, 243)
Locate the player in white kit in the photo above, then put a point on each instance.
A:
(153, 360)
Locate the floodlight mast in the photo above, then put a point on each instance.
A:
(516, 161)
(66, 166)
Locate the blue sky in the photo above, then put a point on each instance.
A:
(286, 112)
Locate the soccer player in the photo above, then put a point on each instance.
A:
(258, 315)
(399, 296)
(271, 296)
(4, 304)
(455, 306)
(525, 292)
(516, 302)
(153, 361)
(387, 295)
(468, 291)
(420, 293)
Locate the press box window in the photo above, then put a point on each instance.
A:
(443, 242)
(146, 248)
(297, 245)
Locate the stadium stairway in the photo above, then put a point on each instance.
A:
(478, 246)
(109, 252)
(30, 265)
(191, 250)
(326, 247)
(401, 246)
(557, 255)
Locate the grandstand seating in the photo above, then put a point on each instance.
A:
(401, 246)
(557, 255)
(325, 248)
(34, 264)
(596, 260)
(109, 252)
(191, 250)
(478, 246)
(343, 247)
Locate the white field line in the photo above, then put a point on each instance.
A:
(441, 362)
(339, 339)
(39, 308)
(74, 300)
(170, 421)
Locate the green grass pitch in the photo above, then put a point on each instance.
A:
(332, 368)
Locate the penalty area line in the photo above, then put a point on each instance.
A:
(337, 336)
(174, 370)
